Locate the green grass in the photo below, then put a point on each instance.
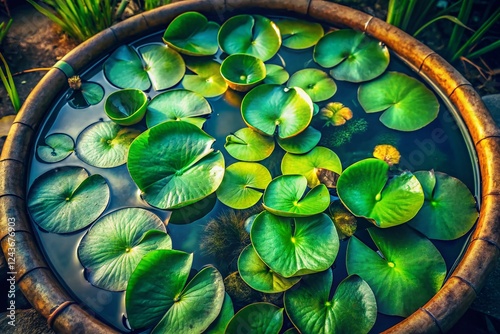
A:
(152, 4)
(4, 27)
(8, 82)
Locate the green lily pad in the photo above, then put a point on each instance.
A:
(116, 243)
(158, 285)
(408, 104)
(67, 199)
(285, 197)
(301, 143)
(257, 318)
(299, 34)
(270, 108)
(57, 147)
(243, 184)
(295, 246)
(242, 71)
(169, 177)
(226, 314)
(90, 93)
(309, 163)
(177, 105)
(356, 56)
(105, 144)
(255, 35)
(404, 274)
(249, 145)
(126, 106)
(276, 74)
(192, 34)
(316, 83)
(206, 79)
(163, 67)
(353, 308)
(193, 212)
(259, 276)
(366, 190)
(449, 209)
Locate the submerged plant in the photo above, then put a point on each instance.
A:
(341, 135)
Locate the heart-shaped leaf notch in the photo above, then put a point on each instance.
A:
(367, 191)
(285, 197)
(289, 246)
(407, 104)
(242, 71)
(316, 83)
(192, 34)
(67, 199)
(449, 210)
(299, 34)
(57, 147)
(257, 318)
(206, 79)
(356, 56)
(115, 244)
(179, 306)
(249, 145)
(273, 108)
(405, 272)
(126, 106)
(353, 308)
(168, 177)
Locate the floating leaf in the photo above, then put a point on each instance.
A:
(249, 145)
(387, 153)
(169, 177)
(259, 276)
(308, 164)
(267, 107)
(257, 318)
(255, 35)
(115, 244)
(316, 83)
(275, 74)
(206, 79)
(366, 190)
(408, 104)
(242, 71)
(356, 56)
(67, 199)
(5, 124)
(295, 246)
(158, 284)
(404, 274)
(225, 315)
(126, 106)
(243, 184)
(285, 197)
(192, 212)
(299, 34)
(192, 34)
(177, 105)
(58, 146)
(449, 209)
(105, 144)
(335, 113)
(301, 143)
(90, 93)
(353, 308)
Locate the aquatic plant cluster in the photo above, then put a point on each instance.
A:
(291, 237)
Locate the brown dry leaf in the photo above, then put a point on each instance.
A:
(327, 177)
(5, 124)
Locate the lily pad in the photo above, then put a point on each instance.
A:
(285, 197)
(274, 108)
(226, 314)
(295, 246)
(169, 177)
(115, 244)
(257, 318)
(301, 143)
(193, 212)
(206, 79)
(449, 209)
(160, 65)
(404, 274)
(126, 106)
(407, 104)
(67, 199)
(276, 74)
(299, 34)
(249, 145)
(356, 56)
(177, 105)
(105, 144)
(335, 113)
(259, 276)
(158, 284)
(367, 191)
(255, 35)
(242, 71)
(316, 83)
(243, 184)
(353, 308)
(309, 163)
(90, 93)
(387, 153)
(192, 34)
(57, 147)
